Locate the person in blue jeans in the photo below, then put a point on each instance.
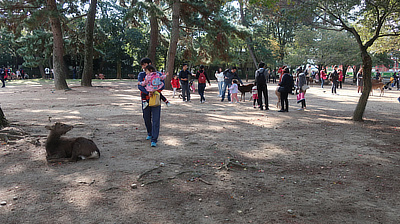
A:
(229, 75)
(151, 115)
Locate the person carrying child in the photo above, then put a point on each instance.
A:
(255, 95)
(153, 82)
(234, 89)
(175, 84)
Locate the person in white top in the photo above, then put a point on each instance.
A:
(220, 78)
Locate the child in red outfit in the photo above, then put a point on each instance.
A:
(340, 78)
(175, 84)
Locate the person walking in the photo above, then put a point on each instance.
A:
(340, 78)
(301, 84)
(219, 75)
(151, 115)
(254, 91)
(360, 80)
(273, 76)
(395, 80)
(175, 84)
(261, 82)
(285, 87)
(322, 77)
(184, 77)
(202, 77)
(229, 75)
(377, 75)
(74, 72)
(335, 79)
(2, 77)
(234, 89)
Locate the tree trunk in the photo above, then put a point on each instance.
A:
(58, 47)
(119, 74)
(88, 61)
(367, 86)
(173, 42)
(3, 120)
(153, 35)
(41, 69)
(344, 72)
(249, 40)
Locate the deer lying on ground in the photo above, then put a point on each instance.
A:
(61, 149)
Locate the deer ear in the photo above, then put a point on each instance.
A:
(48, 127)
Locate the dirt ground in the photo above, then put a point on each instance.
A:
(215, 162)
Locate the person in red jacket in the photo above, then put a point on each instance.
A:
(322, 76)
(340, 78)
(175, 84)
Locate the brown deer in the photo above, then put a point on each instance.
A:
(378, 84)
(243, 89)
(61, 149)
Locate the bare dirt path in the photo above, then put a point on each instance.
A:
(214, 163)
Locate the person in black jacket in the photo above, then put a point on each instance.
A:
(335, 79)
(261, 82)
(2, 76)
(202, 77)
(184, 77)
(285, 88)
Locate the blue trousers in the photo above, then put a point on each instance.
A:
(226, 84)
(151, 116)
(220, 85)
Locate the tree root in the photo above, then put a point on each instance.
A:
(233, 163)
(146, 172)
(164, 179)
(197, 177)
(208, 183)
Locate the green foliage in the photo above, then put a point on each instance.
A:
(36, 48)
(323, 47)
(119, 42)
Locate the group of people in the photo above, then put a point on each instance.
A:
(151, 83)
(8, 74)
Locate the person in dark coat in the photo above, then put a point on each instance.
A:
(202, 78)
(335, 79)
(261, 82)
(2, 77)
(285, 88)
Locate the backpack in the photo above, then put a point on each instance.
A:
(202, 77)
(260, 79)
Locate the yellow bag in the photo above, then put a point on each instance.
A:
(155, 100)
